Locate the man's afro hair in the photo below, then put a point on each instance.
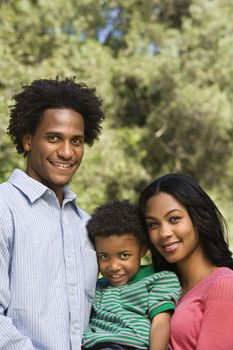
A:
(44, 94)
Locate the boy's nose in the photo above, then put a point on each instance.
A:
(114, 265)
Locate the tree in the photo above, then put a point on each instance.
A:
(181, 94)
(164, 71)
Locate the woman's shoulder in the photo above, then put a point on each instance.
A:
(218, 276)
(212, 284)
(222, 272)
(222, 284)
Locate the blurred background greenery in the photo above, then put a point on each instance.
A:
(165, 71)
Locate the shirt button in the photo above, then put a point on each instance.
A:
(74, 328)
(74, 332)
(69, 254)
(72, 290)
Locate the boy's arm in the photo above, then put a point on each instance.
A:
(160, 331)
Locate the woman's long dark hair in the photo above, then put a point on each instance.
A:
(206, 218)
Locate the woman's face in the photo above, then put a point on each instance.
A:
(171, 230)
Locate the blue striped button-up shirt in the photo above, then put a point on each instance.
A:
(48, 267)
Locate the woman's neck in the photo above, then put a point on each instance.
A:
(194, 270)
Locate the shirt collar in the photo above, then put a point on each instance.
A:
(145, 271)
(34, 189)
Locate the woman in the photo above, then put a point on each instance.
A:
(187, 235)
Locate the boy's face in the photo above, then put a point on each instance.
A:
(119, 257)
(55, 151)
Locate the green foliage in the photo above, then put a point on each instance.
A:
(164, 70)
(112, 168)
(226, 207)
(182, 96)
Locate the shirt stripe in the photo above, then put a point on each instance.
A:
(123, 314)
(48, 268)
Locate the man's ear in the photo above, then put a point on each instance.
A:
(26, 142)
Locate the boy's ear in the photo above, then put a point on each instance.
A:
(144, 251)
(26, 142)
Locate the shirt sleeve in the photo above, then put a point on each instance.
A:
(216, 329)
(10, 337)
(164, 294)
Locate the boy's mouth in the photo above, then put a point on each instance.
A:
(117, 279)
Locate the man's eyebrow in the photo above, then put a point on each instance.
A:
(53, 132)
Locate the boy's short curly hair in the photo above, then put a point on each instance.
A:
(116, 218)
(45, 94)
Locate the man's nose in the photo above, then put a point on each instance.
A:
(65, 150)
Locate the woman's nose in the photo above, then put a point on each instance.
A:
(165, 231)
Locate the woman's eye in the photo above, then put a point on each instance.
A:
(174, 219)
(151, 225)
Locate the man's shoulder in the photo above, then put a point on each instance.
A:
(82, 214)
(8, 185)
(17, 188)
(4, 185)
(7, 199)
(6, 188)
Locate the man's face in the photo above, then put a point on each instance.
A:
(55, 151)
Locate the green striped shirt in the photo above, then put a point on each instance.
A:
(123, 314)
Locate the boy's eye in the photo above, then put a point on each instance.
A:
(124, 256)
(102, 257)
(52, 138)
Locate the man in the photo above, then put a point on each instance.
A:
(48, 267)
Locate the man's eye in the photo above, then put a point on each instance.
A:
(77, 141)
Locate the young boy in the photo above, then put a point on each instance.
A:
(132, 305)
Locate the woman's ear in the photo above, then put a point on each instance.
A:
(26, 142)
